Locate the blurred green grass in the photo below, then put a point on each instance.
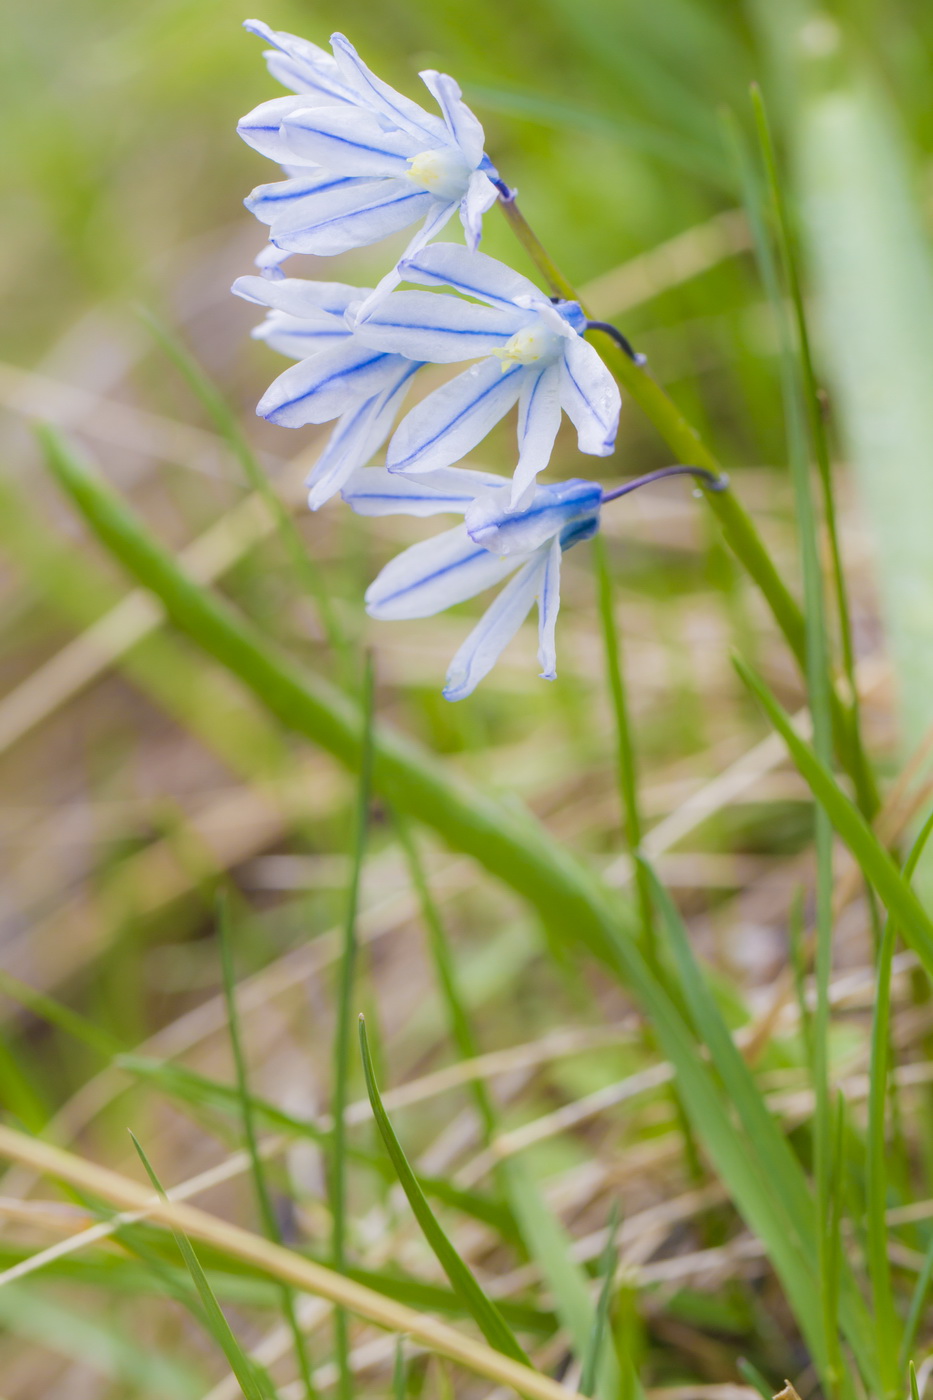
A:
(124, 177)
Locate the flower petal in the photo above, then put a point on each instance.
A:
(348, 140)
(558, 508)
(262, 128)
(435, 327)
(298, 296)
(463, 126)
(327, 385)
(538, 422)
(376, 491)
(382, 99)
(475, 274)
(495, 629)
(481, 195)
(358, 434)
(334, 221)
(590, 396)
(300, 65)
(299, 337)
(439, 213)
(548, 608)
(449, 423)
(434, 575)
(274, 203)
(269, 260)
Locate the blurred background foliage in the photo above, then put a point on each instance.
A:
(151, 779)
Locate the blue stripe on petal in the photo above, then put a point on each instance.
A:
(449, 423)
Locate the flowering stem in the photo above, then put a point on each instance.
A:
(711, 482)
(737, 526)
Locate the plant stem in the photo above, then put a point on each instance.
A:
(343, 1036)
(737, 526)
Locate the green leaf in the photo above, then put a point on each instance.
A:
(257, 1168)
(607, 1272)
(507, 842)
(789, 1220)
(876, 864)
(483, 1311)
(242, 1367)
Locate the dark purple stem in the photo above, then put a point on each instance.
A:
(710, 481)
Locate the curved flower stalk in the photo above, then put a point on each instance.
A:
(365, 162)
(492, 543)
(534, 354)
(337, 376)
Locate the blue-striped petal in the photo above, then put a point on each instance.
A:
(382, 99)
(274, 203)
(548, 608)
(327, 385)
(463, 126)
(348, 140)
(481, 195)
(452, 490)
(556, 506)
(434, 575)
(262, 128)
(335, 221)
(495, 629)
(449, 423)
(299, 337)
(590, 397)
(300, 65)
(357, 436)
(299, 296)
(538, 422)
(431, 326)
(474, 274)
(439, 213)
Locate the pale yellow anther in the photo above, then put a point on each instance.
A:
(443, 172)
(527, 346)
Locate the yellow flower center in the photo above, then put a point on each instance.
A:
(527, 346)
(443, 172)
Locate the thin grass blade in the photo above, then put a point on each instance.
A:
(251, 1385)
(483, 1311)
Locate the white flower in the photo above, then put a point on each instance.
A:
(336, 376)
(365, 161)
(492, 543)
(534, 354)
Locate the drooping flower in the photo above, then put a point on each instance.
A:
(533, 354)
(364, 161)
(492, 543)
(336, 376)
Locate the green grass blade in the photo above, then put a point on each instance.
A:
(483, 1311)
(260, 1185)
(399, 1371)
(793, 1204)
(200, 1092)
(914, 1312)
(240, 1364)
(445, 972)
(60, 1016)
(607, 1272)
(753, 1377)
(819, 687)
(892, 1354)
(544, 1239)
(508, 843)
(914, 1388)
(337, 1177)
(875, 862)
(625, 750)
